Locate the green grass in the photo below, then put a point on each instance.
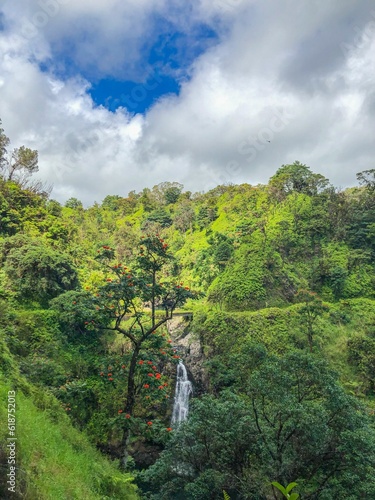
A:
(55, 460)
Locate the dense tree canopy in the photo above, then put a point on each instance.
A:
(280, 347)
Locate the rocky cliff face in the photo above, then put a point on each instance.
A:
(189, 348)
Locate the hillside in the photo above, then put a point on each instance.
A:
(280, 279)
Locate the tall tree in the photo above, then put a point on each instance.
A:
(130, 301)
(19, 165)
(311, 309)
(298, 177)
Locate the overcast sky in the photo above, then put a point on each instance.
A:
(119, 95)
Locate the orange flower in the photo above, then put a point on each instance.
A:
(120, 411)
(127, 415)
(123, 366)
(169, 429)
(150, 374)
(158, 375)
(141, 362)
(146, 386)
(110, 379)
(149, 423)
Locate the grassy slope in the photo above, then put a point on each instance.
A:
(280, 330)
(54, 459)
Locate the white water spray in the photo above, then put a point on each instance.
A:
(182, 394)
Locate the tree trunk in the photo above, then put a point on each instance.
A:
(129, 405)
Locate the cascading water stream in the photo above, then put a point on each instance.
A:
(183, 391)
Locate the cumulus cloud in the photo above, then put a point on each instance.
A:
(284, 81)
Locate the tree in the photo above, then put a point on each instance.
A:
(23, 163)
(367, 179)
(295, 422)
(298, 177)
(111, 202)
(311, 429)
(166, 193)
(361, 354)
(37, 272)
(74, 203)
(207, 454)
(172, 194)
(122, 300)
(222, 253)
(309, 312)
(4, 143)
(184, 217)
(206, 215)
(19, 165)
(159, 216)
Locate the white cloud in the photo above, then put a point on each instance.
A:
(273, 76)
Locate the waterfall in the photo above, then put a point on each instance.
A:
(181, 398)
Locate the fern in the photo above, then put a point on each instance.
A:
(226, 496)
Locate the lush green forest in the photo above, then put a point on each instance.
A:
(279, 282)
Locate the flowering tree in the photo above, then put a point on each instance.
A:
(136, 303)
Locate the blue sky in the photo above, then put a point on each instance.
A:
(125, 94)
(163, 65)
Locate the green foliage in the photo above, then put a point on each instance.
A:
(367, 178)
(309, 312)
(361, 353)
(158, 216)
(294, 421)
(206, 215)
(55, 461)
(123, 295)
(298, 177)
(36, 272)
(241, 285)
(80, 325)
(172, 194)
(184, 218)
(286, 491)
(73, 203)
(111, 202)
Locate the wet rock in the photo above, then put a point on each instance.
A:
(145, 454)
(190, 349)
